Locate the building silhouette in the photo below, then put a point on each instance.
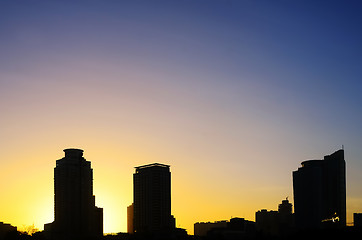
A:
(286, 218)
(6, 229)
(201, 228)
(285, 208)
(152, 199)
(267, 222)
(276, 223)
(357, 220)
(236, 228)
(75, 213)
(320, 192)
(130, 213)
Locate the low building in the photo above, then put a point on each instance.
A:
(5, 229)
(235, 228)
(267, 222)
(201, 228)
(130, 219)
(357, 220)
(275, 223)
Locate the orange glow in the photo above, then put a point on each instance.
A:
(199, 193)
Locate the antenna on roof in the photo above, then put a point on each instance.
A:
(342, 147)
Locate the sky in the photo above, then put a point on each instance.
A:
(233, 95)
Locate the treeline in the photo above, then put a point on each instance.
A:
(330, 234)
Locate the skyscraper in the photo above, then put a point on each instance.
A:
(320, 191)
(152, 198)
(76, 216)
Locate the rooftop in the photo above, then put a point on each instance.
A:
(312, 163)
(152, 165)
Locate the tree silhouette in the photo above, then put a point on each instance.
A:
(30, 229)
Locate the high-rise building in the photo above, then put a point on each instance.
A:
(320, 192)
(152, 198)
(75, 213)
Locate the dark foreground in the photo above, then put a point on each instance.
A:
(340, 234)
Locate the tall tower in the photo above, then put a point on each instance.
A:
(152, 198)
(320, 191)
(76, 215)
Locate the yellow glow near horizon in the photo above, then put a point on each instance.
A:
(30, 194)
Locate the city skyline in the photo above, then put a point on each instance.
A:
(73, 180)
(232, 94)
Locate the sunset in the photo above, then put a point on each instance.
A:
(232, 95)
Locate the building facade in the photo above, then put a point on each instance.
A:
(6, 229)
(267, 222)
(235, 228)
(276, 223)
(75, 213)
(357, 220)
(201, 228)
(130, 213)
(152, 199)
(320, 192)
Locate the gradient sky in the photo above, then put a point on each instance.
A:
(232, 94)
